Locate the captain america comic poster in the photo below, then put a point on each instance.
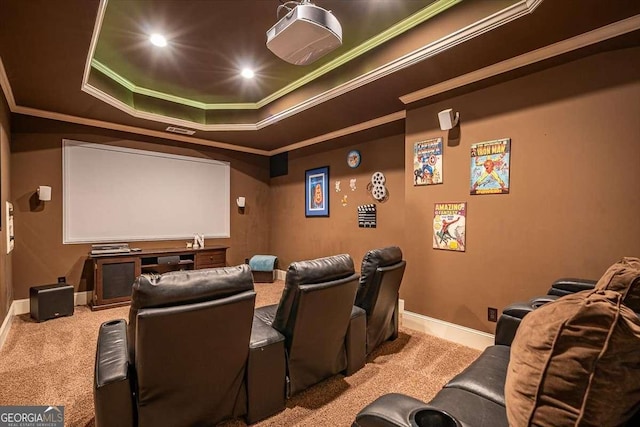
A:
(427, 162)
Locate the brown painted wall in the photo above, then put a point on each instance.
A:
(6, 290)
(572, 210)
(295, 237)
(39, 255)
(574, 201)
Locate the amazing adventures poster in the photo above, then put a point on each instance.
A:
(449, 226)
(490, 167)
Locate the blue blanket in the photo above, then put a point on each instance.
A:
(263, 262)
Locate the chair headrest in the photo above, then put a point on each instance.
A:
(182, 287)
(375, 258)
(319, 270)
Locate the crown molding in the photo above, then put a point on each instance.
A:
(133, 129)
(399, 115)
(167, 97)
(592, 37)
(114, 102)
(6, 87)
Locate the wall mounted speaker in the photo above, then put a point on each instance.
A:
(447, 118)
(44, 193)
(279, 164)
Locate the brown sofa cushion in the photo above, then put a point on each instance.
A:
(576, 361)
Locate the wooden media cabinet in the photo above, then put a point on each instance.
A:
(114, 274)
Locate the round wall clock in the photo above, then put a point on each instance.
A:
(354, 158)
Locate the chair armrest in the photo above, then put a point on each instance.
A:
(567, 286)
(112, 385)
(513, 314)
(389, 410)
(356, 341)
(266, 372)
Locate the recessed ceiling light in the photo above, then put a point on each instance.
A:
(247, 73)
(158, 40)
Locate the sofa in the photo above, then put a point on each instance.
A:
(557, 361)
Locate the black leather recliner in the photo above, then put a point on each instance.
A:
(184, 358)
(475, 397)
(380, 278)
(324, 333)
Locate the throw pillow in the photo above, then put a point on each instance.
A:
(623, 277)
(575, 362)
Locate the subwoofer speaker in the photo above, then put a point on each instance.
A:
(51, 301)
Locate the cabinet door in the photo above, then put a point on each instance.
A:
(114, 278)
(211, 258)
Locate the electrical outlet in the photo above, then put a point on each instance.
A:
(62, 279)
(492, 314)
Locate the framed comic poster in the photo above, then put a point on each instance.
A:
(427, 162)
(449, 226)
(316, 195)
(490, 167)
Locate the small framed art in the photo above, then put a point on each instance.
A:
(316, 192)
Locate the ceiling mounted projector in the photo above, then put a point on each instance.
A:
(304, 34)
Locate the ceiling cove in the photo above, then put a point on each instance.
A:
(94, 67)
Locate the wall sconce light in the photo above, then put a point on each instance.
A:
(240, 201)
(44, 193)
(447, 118)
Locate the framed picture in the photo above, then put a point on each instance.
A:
(427, 162)
(490, 167)
(316, 194)
(449, 226)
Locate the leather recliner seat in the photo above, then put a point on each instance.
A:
(183, 360)
(324, 332)
(378, 293)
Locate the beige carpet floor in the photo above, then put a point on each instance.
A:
(51, 363)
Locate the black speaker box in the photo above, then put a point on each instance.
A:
(279, 165)
(51, 301)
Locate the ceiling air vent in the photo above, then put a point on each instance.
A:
(181, 131)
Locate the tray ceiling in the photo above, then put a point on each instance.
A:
(90, 62)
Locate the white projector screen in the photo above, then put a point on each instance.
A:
(122, 194)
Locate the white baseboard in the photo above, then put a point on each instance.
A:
(82, 298)
(445, 330)
(21, 306)
(6, 325)
(281, 274)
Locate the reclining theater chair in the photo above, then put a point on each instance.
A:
(314, 315)
(182, 361)
(380, 278)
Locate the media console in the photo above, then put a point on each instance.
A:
(114, 274)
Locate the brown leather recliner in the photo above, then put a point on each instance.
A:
(324, 333)
(380, 278)
(184, 359)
